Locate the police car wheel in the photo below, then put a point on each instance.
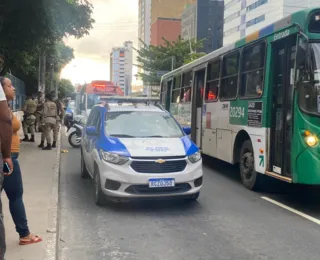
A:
(100, 197)
(84, 171)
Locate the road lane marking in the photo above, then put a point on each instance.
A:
(301, 214)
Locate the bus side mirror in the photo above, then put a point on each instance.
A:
(187, 130)
(82, 107)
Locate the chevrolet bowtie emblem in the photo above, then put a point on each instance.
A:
(160, 161)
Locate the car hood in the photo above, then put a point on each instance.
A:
(154, 147)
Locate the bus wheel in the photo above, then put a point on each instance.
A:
(248, 174)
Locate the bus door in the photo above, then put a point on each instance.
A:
(282, 98)
(197, 102)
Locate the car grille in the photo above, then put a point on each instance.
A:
(144, 189)
(153, 167)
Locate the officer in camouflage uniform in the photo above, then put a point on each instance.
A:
(49, 121)
(60, 116)
(40, 101)
(29, 119)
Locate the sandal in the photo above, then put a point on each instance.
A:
(31, 239)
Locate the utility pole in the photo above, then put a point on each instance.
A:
(39, 74)
(43, 73)
(57, 85)
(51, 74)
(173, 62)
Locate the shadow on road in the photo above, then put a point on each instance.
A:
(300, 197)
(305, 198)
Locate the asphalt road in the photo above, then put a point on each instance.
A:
(227, 222)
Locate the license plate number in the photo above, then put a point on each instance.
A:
(160, 183)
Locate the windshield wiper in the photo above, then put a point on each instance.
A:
(122, 135)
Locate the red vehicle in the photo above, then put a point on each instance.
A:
(91, 94)
(106, 88)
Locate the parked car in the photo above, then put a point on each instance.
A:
(139, 151)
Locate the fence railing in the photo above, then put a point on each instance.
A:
(20, 88)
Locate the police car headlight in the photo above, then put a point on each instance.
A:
(113, 158)
(195, 157)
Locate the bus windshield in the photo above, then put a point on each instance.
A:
(92, 100)
(309, 96)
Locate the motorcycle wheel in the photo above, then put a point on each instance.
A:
(73, 140)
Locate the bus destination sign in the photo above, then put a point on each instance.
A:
(255, 114)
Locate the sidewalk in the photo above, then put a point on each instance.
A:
(40, 179)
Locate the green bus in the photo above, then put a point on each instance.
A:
(256, 102)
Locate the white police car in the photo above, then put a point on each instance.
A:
(139, 151)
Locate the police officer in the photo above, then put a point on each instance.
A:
(40, 101)
(60, 116)
(29, 119)
(49, 121)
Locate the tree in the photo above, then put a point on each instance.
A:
(156, 59)
(33, 23)
(32, 27)
(59, 56)
(65, 88)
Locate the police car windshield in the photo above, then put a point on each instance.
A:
(141, 124)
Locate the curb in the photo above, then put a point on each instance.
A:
(51, 249)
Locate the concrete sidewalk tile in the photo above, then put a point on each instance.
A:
(39, 172)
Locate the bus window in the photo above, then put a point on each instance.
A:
(252, 71)
(314, 24)
(212, 91)
(175, 98)
(163, 93)
(213, 76)
(185, 96)
(229, 82)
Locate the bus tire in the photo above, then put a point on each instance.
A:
(248, 174)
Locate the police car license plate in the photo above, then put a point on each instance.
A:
(160, 183)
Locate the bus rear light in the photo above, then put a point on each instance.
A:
(261, 150)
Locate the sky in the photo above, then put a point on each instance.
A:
(116, 21)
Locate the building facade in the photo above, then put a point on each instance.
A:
(167, 28)
(121, 66)
(242, 17)
(204, 20)
(144, 20)
(151, 10)
(189, 22)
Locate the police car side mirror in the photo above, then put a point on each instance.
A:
(187, 130)
(91, 131)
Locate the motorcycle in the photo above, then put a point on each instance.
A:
(74, 131)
